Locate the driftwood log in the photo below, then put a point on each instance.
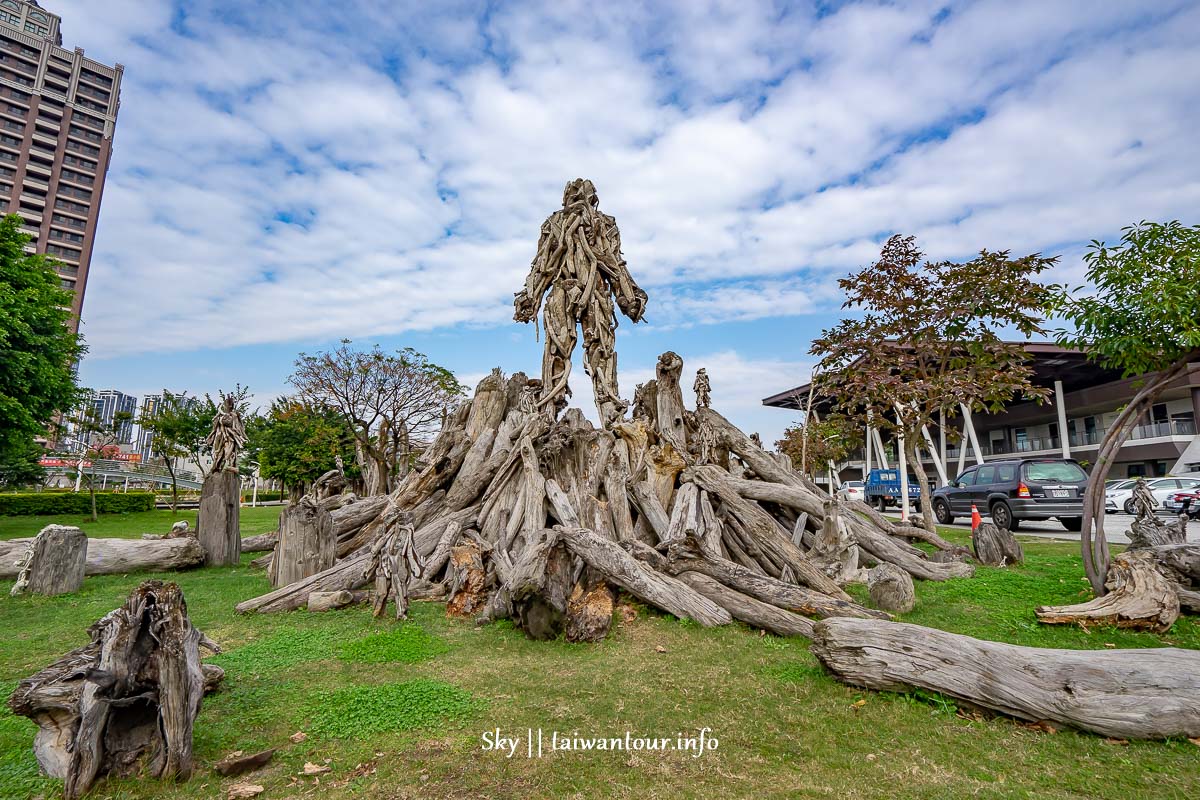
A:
(1126, 694)
(125, 703)
(54, 562)
(261, 543)
(118, 556)
(306, 543)
(996, 546)
(891, 588)
(217, 525)
(1138, 597)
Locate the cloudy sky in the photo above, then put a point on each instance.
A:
(288, 174)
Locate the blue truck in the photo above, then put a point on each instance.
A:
(883, 489)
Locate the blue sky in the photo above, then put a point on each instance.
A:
(288, 174)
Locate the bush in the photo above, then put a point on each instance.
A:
(21, 504)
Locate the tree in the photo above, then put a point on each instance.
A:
(389, 401)
(177, 426)
(814, 444)
(928, 343)
(38, 351)
(297, 442)
(20, 464)
(1141, 316)
(101, 438)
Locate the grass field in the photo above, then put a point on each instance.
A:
(398, 710)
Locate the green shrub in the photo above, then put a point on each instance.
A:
(358, 711)
(22, 504)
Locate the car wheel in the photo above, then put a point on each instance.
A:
(1003, 517)
(1074, 524)
(942, 512)
(881, 504)
(1129, 507)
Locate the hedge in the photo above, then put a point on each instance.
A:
(25, 503)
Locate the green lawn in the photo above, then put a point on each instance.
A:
(398, 710)
(132, 526)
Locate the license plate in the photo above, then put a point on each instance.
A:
(1060, 492)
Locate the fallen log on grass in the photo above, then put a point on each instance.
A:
(263, 542)
(1138, 597)
(1126, 694)
(127, 701)
(119, 556)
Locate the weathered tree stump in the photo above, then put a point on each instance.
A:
(891, 588)
(996, 547)
(306, 544)
(125, 703)
(54, 562)
(1138, 597)
(1128, 694)
(217, 521)
(328, 601)
(468, 592)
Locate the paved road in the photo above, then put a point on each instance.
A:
(1116, 528)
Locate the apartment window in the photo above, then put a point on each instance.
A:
(38, 16)
(13, 4)
(86, 149)
(77, 177)
(79, 162)
(64, 252)
(65, 236)
(7, 156)
(84, 134)
(9, 125)
(73, 191)
(102, 80)
(90, 121)
(69, 221)
(17, 110)
(67, 205)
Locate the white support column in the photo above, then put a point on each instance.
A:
(963, 444)
(933, 455)
(1062, 419)
(903, 476)
(942, 434)
(879, 449)
(867, 454)
(969, 424)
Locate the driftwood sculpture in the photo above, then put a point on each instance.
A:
(220, 495)
(125, 703)
(522, 511)
(393, 564)
(306, 543)
(579, 264)
(996, 546)
(703, 389)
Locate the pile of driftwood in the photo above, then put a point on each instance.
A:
(515, 514)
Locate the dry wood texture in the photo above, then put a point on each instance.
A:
(126, 702)
(53, 563)
(996, 546)
(217, 525)
(1127, 694)
(306, 543)
(1138, 597)
(118, 556)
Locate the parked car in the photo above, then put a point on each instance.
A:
(1161, 488)
(852, 490)
(883, 489)
(1183, 502)
(1014, 490)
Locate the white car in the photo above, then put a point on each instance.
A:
(852, 490)
(1121, 498)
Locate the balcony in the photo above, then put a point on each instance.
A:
(1180, 428)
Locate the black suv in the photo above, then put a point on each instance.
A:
(1017, 489)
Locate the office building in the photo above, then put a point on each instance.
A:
(1084, 401)
(58, 110)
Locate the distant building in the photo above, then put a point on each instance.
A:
(58, 110)
(144, 439)
(1085, 401)
(110, 402)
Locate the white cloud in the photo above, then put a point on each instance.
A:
(299, 172)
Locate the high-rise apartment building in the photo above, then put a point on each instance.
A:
(110, 402)
(57, 114)
(144, 444)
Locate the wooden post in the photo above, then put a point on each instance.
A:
(217, 521)
(54, 562)
(306, 545)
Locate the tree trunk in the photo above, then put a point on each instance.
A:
(174, 485)
(995, 546)
(54, 562)
(1095, 551)
(126, 703)
(306, 544)
(328, 601)
(747, 609)
(914, 461)
(1138, 597)
(118, 556)
(1127, 694)
(260, 543)
(217, 524)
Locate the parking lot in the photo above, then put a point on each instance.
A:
(1116, 528)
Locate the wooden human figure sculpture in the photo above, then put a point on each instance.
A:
(703, 389)
(393, 564)
(227, 437)
(579, 264)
